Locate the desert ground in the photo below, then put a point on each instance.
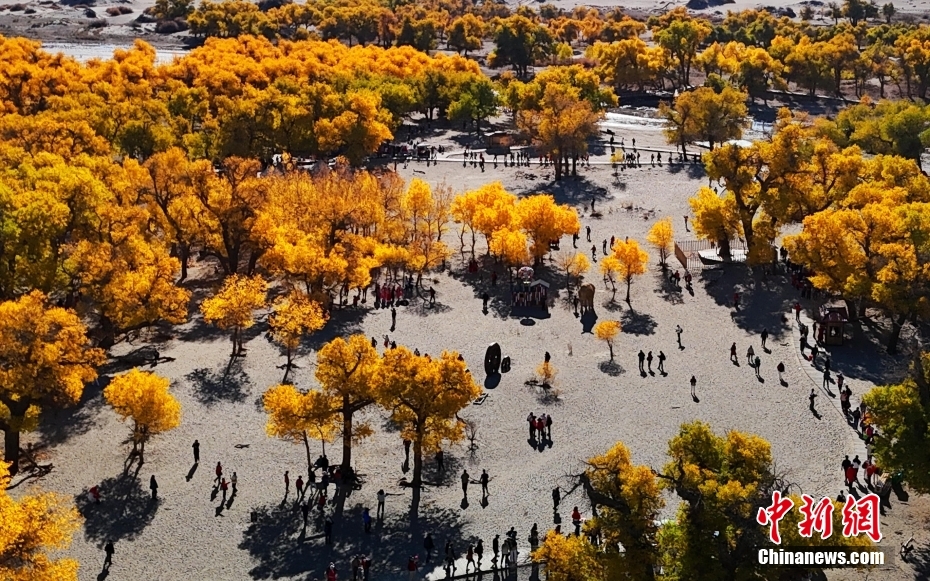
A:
(188, 535)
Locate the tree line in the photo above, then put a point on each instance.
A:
(762, 51)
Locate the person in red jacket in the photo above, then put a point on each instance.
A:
(331, 572)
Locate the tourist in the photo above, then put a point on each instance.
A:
(661, 362)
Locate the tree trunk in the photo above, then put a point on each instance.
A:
(184, 254)
(611, 347)
(629, 282)
(416, 480)
(307, 449)
(346, 435)
(11, 449)
(897, 323)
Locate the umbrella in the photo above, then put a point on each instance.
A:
(525, 272)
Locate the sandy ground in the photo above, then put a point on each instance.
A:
(188, 535)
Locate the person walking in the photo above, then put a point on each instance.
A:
(219, 472)
(366, 519)
(412, 566)
(757, 364)
(781, 369)
(484, 483)
(765, 336)
(440, 464)
(450, 558)
(812, 397)
(604, 245)
(485, 297)
(733, 357)
(224, 487)
(642, 359)
(287, 483)
(814, 351)
(428, 546)
(393, 317)
(750, 355)
(797, 312)
(549, 427)
(196, 447)
(300, 487)
(678, 332)
(593, 252)
(556, 498)
(588, 230)
(109, 550)
(470, 558)
(576, 520)
(531, 419)
(496, 549)
(826, 379)
(465, 483)
(432, 296)
(153, 486)
(331, 572)
(649, 362)
(661, 362)
(380, 510)
(479, 551)
(693, 385)
(234, 480)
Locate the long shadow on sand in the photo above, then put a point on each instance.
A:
(58, 425)
(766, 304)
(228, 383)
(277, 542)
(125, 510)
(575, 191)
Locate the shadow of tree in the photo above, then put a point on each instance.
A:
(611, 368)
(125, 510)
(766, 304)
(574, 191)
(58, 425)
(228, 384)
(275, 541)
(670, 292)
(636, 323)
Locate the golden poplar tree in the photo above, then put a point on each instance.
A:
(293, 317)
(661, 236)
(33, 527)
(45, 359)
(296, 416)
(544, 221)
(144, 397)
(631, 260)
(607, 332)
(347, 370)
(233, 306)
(571, 558)
(425, 395)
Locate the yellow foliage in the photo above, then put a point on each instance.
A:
(233, 306)
(607, 331)
(297, 416)
(544, 221)
(571, 558)
(144, 397)
(546, 372)
(631, 261)
(293, 317)
(34, 526)
(661, 236)
(510, 247)
(45, 358)
(424, 395)
(347, 371)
